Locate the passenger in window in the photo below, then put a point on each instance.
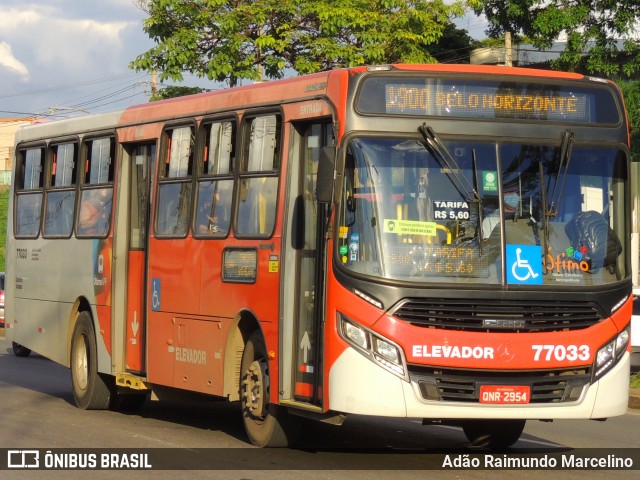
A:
(207, 218)
(95, 212)
(511, 205)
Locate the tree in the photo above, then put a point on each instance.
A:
(631, 92)
(454, 46)
(507, 16)
(227, 40)
(598, 32)
(173, 91)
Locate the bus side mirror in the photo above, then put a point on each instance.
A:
(326, 167)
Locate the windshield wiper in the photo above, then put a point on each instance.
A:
(551, 208)
(566, 148)
(545, 217)
(460, 182)
(476, 188)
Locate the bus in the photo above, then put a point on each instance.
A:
(439, 242)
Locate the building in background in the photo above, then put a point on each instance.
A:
(8, 128)
(523, 55)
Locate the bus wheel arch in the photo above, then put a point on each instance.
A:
(90, 390)
(243, 325)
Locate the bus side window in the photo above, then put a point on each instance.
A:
(29, 192)
(175, 182)
(215, 181)
(61, 190)
(258, 190)
(94, 217)
(96, 195)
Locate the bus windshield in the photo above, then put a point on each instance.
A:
(483, 212)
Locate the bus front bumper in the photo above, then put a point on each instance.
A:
(358, 386)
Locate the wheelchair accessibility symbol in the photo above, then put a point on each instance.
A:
(155, 294)
(524, 264)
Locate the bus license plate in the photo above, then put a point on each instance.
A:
(505, 394)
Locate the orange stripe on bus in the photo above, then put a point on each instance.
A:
(304, 389)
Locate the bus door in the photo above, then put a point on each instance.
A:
(143, 158)
(303, 283)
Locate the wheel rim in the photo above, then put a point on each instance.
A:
(81, 364)
(256, 386)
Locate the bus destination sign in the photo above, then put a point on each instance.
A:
(484, 103)
(488, 99)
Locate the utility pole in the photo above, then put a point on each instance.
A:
(260, 74)
(507, 50)
(154, 84)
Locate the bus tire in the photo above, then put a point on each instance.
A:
(267, 425)
(19, 350)
(493, 433)
(90, 391)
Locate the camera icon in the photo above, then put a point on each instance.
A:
(23, 459)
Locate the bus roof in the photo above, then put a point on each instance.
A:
(255, 95)
(70, 126)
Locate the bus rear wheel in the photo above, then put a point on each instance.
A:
(19, 350)
(493, 433)
(267, 425)
(90, 391)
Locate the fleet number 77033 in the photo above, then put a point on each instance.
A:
(572, 353)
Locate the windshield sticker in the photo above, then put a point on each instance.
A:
(344, 250)
(524, 265)
(354, 246)
(572, 260)
(447, 210)
(409, 227)
(489, 181)
(344, 231)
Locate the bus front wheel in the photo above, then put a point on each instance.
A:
(90, 391)
(493, 433)
(267, 425)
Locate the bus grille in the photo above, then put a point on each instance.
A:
(547, 386)
(492, 316)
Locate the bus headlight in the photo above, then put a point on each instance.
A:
(610, 353)
(376, 348)
(356, 335)
(621, 341)
(386, 350)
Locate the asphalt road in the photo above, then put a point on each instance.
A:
(38, 413)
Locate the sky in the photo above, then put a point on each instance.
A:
(61, 58)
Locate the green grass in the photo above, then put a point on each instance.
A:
(635, 380)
